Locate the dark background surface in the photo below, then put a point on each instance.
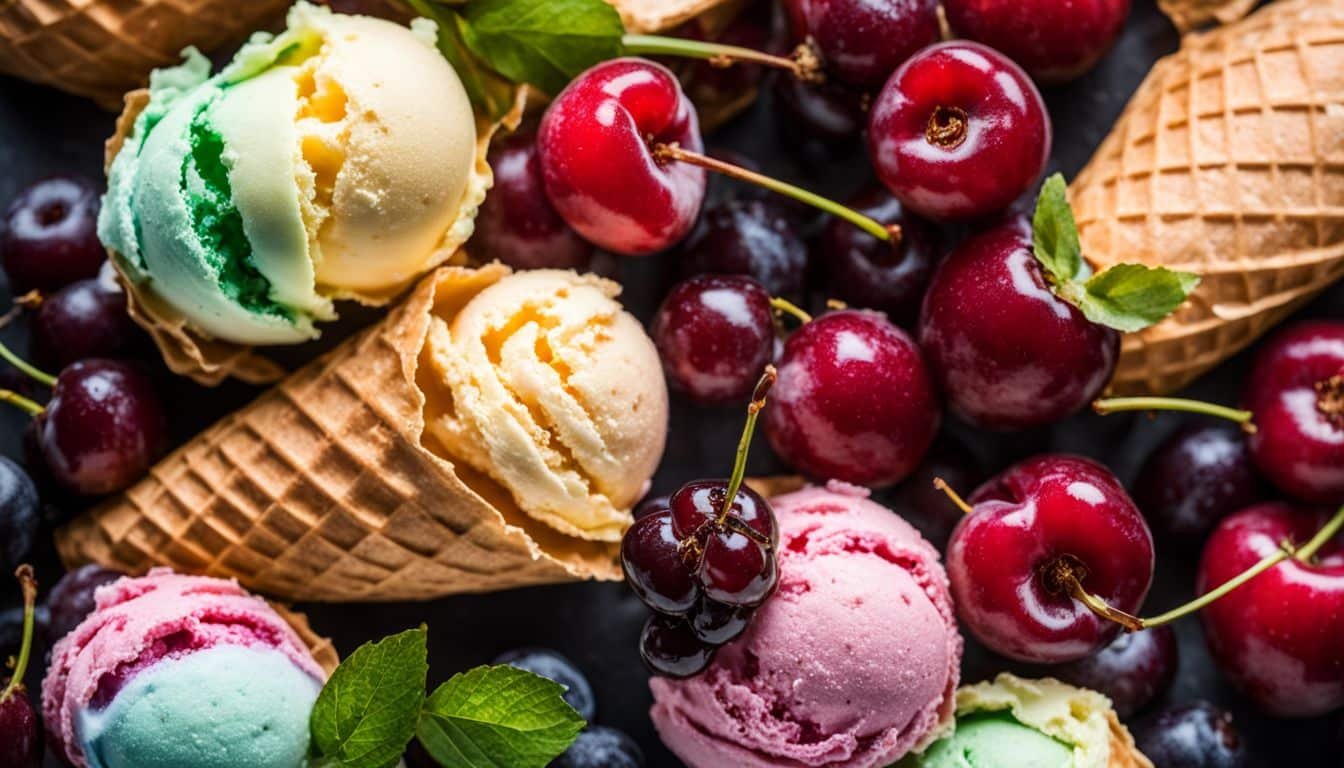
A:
(597, 625)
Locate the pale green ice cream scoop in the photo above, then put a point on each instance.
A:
(993, 740)
(225, 707)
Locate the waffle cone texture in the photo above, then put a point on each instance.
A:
(102, 48)
(325, 488)
(1229, 163)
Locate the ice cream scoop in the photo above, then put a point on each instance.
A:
(853, 663)
(1015, 723)
(334, 160)
(554, 391)
(173, 671)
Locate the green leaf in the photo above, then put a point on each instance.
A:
(366, 713)
(491, 93)
(1131, 297)
(498, 717)
(543, 43)
(1054, 233)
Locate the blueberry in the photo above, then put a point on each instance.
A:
(553, 666)
(1195, 735)
(601, 747)
(18, 515)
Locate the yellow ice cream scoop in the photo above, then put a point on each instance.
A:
(552, 391)
(334, 160)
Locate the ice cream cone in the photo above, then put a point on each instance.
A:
(326, 489)
(1228, 162)
(103, 48)
(645, 16)
(1124, 754)
(1189, 14)
(323, 650)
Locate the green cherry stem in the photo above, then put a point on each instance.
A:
(942, 485)
(35, 374)
(784, 306)
(802, 63)
(1111, 405)
(670, 152)
(29, 586)
(758, 398)
(19, 401)
(1307, 551)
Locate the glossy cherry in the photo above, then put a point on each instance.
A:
(517, 225)
(1007, 351)
(715, 334)
(1033, 530)
(71, 600)
(670, 648)
(959, 132)
(1278, 636)
(50, 235)
(868, 273)
(862, 41)
(854, 401)
(84, 319)
(1133, 671)
(1052, 41)
(747, 237)
(20, 736)
(1196, 477)
(1296, 393)
(652, 559)
(598, 166)
(1196, 735)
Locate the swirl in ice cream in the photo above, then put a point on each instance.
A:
(334, 160)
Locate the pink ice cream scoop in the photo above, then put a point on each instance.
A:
(851, 664)
(180, 671)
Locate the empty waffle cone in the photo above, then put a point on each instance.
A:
(1229, 163)
(103, 48)
(325, 488)
(1189, 14)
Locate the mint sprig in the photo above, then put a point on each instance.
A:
(1126, 297)
(498, 717)
(366, 714)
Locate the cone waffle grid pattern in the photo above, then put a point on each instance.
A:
(103, 48)
(1229, 162)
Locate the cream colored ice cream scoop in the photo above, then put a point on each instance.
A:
(555, 394)
(334, 160)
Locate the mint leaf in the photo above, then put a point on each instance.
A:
(1054, 233)
(498, 717)
(366, 713)
(1131, 297)
(491, 93)
(543, 43)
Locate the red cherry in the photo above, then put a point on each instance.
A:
(670, 648)
(862, 41)
(599, 170)
(715, 334)
(1277, 637)
(1008, 352)
(1296, 393)
(50, 235)
(854, 401)
(652, 559)
(1052, 41)
(1198, 476)
(1032, 528)
(959, 132)
(700, 502)
(82, 320)
(737, 571)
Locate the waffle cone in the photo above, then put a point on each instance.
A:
(102, 48)
(1229, 163)
(1124, 754)
(1189, 14)
(323, 650)
(324, 488)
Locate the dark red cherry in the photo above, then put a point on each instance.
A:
(700, 502)
(868, 273)
(749, 237)
(651, 557)
(82, 320)
(1133, 671)
(1052, 41)
(927, 508)
(715, 334)
(650, 505)
(737, 570)
(714, 623)
(959, 132)
(1008, 352)
(72, 599)
(20, 736)
(517, 225)
(50, 236)
(1198, 476)
(862, 41)
(670, 648)
(1197, 735)
(715, 88)
(830, 112)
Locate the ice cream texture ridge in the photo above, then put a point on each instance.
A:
(853, 663)
(174, 671)
(335, 160)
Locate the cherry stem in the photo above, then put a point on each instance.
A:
(1111, 405)
(28, 584)
(942, 485)
(668, 152)
(8, 356)
(19, 401)
(744, 444)
(803, 62)
(1309, 550)
(789, 308)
